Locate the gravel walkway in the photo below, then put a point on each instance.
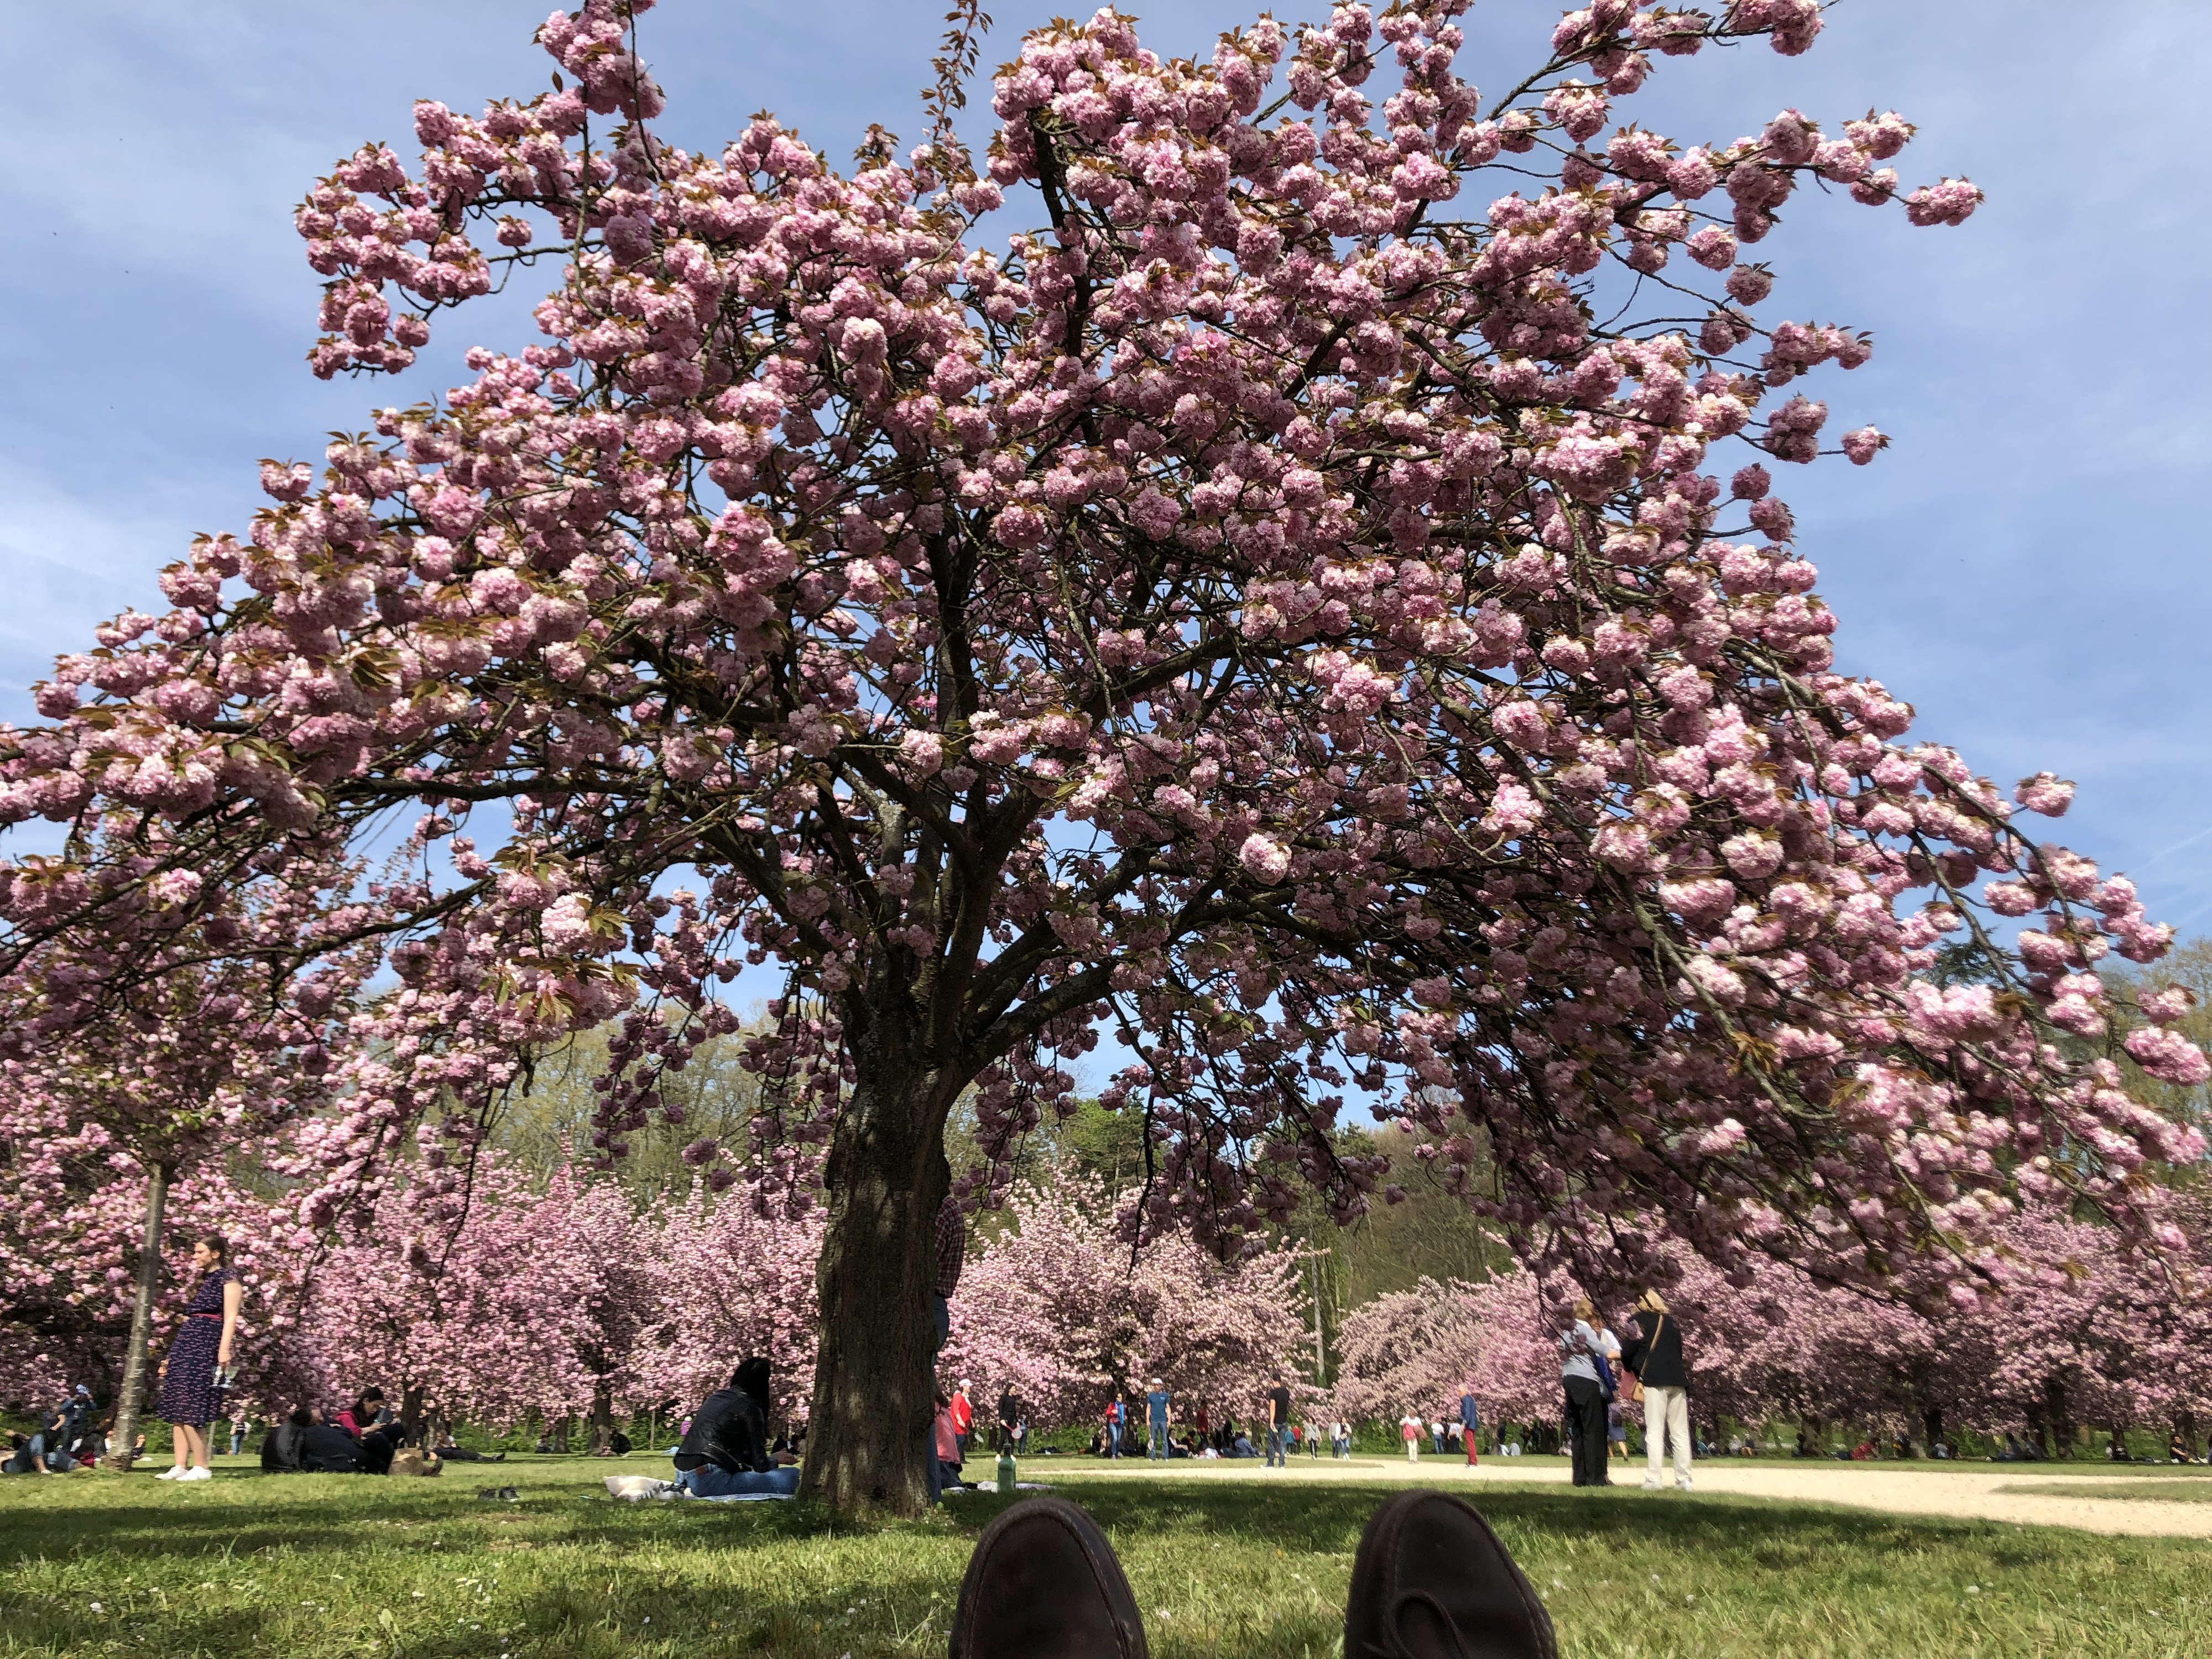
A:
(1962, 1492)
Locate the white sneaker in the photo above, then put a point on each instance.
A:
(1653, 1485)
(201, 1472)
(1685, 1485)
(175, 1471)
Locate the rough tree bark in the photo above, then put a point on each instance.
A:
(603, 1417)
(2058, 1409)
(124, 1435)
(887, 1176)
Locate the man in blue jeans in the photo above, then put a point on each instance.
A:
(1156, 1408)
(1278, 1422)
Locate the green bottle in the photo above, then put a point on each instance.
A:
(1006, 1477)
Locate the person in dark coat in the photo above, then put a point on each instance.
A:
(281, 1451)
(326, 1448)
(724, 1453)
(1655, 1355)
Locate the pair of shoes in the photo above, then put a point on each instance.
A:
(499, 1494)
(175, 1471)
(199, 1473)
(1431, 1581)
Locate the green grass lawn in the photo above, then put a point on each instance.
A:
(308, 1566)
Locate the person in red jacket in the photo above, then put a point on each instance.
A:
(964, 1417)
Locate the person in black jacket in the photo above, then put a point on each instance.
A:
(725, 1452)
(326, 1448)
(280, 1451)
(1656, 1357)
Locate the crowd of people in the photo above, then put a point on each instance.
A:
(67, 1438)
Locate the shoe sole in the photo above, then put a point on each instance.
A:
(1121, 1599)
(1379, 1545)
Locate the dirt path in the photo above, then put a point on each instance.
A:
(1964, 1493)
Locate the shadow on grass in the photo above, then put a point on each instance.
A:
(1247, 1570)
(308, 1513)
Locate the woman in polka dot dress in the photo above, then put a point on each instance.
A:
(189, 1398)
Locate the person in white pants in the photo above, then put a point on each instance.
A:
(1656, 1357)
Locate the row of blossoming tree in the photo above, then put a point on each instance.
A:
(565, 1299)
(2079, 1333)
(1315, 609)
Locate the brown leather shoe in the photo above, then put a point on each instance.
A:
(1043, 1585)
(1433, 1582)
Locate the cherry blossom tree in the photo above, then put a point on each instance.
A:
(1418, 1349)
(1295, 610)
(72, 1260)
(1059, 1307)
(141, 1055)
(737, 1274)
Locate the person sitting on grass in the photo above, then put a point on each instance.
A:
(724, 1453)
(376, 1434)
(326, 1448)
(283, 1446)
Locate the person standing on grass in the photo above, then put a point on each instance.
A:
(949, 1241)
(1579, 1348)
(1409, 1430)
(1156, 1420)
(1278, 1421)
(1470, 1419)
(1654, 1353)
(1114, 1411)
(963, 1417)
(191, 1398)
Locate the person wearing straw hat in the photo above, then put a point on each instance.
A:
(1654, 1357)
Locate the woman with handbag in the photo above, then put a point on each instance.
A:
(190, 1395)
(1661, 1380)
(1582, 1352)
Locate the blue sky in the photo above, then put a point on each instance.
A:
(2027, 563)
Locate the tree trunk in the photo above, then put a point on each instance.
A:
(2058, 1409)
(603, 1417)
(124, 1435)
(411, 1415)
(875, 1371)
(1931, 1421)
